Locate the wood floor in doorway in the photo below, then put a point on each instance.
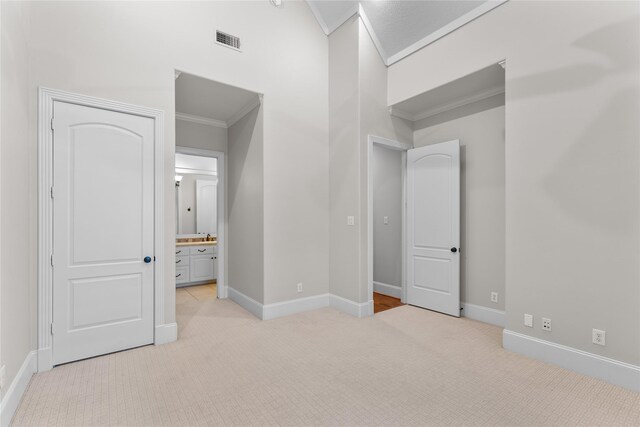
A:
(384, 302)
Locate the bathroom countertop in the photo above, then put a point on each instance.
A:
(214, 243)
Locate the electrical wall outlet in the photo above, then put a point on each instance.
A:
(385, 220)
(299, 287)
(494, 297)
(546, 324)
(598, 337)
(528, 320)
(351, 220)
(2, 376)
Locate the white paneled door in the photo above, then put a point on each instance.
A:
(433, 227)
(206, 206)
(103, 222)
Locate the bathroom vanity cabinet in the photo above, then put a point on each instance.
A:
(195, 264)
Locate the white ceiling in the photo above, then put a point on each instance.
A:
(197, 97)
(480, 85)
(399, 28)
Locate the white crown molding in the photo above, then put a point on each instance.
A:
(389, 60)
(449, 28)
(593, 365)
(318, 16)
(447, 107)
(201, 120)
(374, 37)
(244, 110)
(395, 111)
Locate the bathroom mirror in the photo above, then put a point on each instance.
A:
(196, 196)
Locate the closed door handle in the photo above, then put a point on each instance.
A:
(178, 261)
(178, 252)
(147, 259)
(202, 250)
(454, 250)
(178, 275)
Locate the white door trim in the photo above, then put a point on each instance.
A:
(46, 98)
(222, 213)
(398, 146)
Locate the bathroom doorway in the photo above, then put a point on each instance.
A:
(218, 127)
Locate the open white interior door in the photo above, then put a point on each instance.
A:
(433, 227)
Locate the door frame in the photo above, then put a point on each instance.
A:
(221, 285)
(396, 146)
(46, 97)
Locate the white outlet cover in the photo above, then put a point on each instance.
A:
(528, 320)
(350, 220)
(546, 324)
(385, 220)
(494, 297)
(599, 337)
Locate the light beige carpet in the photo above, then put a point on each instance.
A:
(405, 366)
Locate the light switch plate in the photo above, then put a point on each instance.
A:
(351, 220)
(528, 320)
(385, 220)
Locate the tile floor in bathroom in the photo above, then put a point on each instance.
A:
(196, 293)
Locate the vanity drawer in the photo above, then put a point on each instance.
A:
(182, 274)
(202, 250)
(182, 260)
(182, 251)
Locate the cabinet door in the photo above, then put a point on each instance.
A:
(201, 267)
(182, 274)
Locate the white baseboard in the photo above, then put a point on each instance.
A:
(353, 308)
(286, 308)
(17, 388)
(223, 292)
(45, 359)
(610, 370)
(484, 314)
(249, 304)
(386, 289)
(166, 333)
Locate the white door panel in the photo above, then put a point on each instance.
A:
(206, 211)
(103, 230)
(201, 268)
(433, 227)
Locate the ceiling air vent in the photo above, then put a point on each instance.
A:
(228, 40)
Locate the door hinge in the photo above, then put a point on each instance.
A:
(52, 192)
(52, 123)
(51, 260)
(52, 329)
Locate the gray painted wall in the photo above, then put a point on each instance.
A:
(357, 108)
(245, 206)
(482, 204)
(344, 158)
(572, 160)
(387, 201)
(196, 135)
(18, 224)
(111, 58)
